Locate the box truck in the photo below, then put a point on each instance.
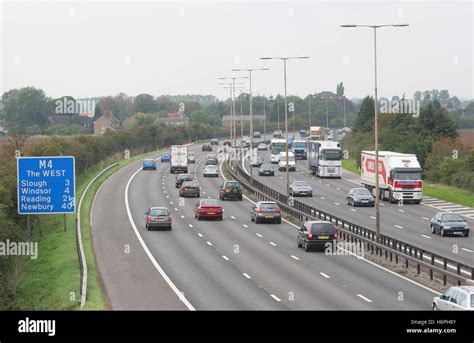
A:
(179, 159)
(324, 158)
(400, 175)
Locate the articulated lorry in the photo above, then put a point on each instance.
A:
(400, 176)
(316, 133)
(324, 158)
(179, 159)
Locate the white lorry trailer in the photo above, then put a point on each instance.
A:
(179, 159)
(325, 158)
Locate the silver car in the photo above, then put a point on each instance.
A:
(301, 188)
(460, 298)
(210, 170)
(158, 217)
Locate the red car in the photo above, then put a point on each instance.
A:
(208, 208)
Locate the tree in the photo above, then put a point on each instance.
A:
(144, 103)
(365, 117)
(203, 117)
(340, 89)
(97, 111)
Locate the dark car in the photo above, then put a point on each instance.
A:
(265, 211)
(446, 223)
(208, 208)
(228, 143)
(262, 147)
(149, 164)
(301, 188)
(181, 178)
(158, 217)
(230, 190)
(214, 141)
(256, 161)
(360, 197)
(206, 147)
(303, 133)
(211, 162)
(316, 233)
(189, 188)
(266, 170)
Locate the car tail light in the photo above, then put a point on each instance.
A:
(148, 219)
(335, 235)
(277, 210)
(259, 210)
(310, 235)
(182, 188)
(169, 220)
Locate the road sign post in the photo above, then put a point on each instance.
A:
(46, 185)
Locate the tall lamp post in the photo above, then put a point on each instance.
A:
(377, 195)
(250, 70)
(284, 59)
(327, 111)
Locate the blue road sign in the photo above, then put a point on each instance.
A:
(46, 185)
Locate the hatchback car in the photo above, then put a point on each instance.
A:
(230, 190)
(166, 157)
(206, 147)
(189, 189)
(360, 197)
(460, 298)
(262, 147)
(446, 223)
(228, 143)
(265, 211)
(149, 164)
(301, 188)
(210, 171)
(315, 233)
(256, 161)
(181, 178)
(158, 217)
(266, 170)
(211, 162)
(214, 141)
(208, 208)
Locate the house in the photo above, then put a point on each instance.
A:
(175, 118)
(227, 119)
(106, 122)
(86, 122)
(58, 119)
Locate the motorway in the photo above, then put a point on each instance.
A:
(231, 265)
(409, 222)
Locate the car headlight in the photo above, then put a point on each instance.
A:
(447, 227)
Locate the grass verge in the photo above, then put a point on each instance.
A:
(350, 165)
(448, 193)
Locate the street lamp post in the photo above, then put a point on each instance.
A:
(284, 59)
(327, 112)
(250, 70)
(309, 114)
(377, 191)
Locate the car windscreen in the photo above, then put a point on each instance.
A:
(268, 206)
(322, 228)
(232, 184)
(362, 192)
(189, 184)
(300, 184)
(451, 218)
(158, 212)
(209, 202)
(149, 161)
(185, 176)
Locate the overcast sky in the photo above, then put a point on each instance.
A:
(95, 49)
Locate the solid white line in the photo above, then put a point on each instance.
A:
(295, 257)
(426, 236)
(246, 275)
(325, 275)
(275, 297)
(259, 235)
(362, 297)
(225, 257)
(273, 244)
(147, 251)
(467, 250)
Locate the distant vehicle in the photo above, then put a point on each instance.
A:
(214, 141)
(456, 298)
(179, 159)
(264, 211)
(262, 147)
(245, 142)
(330, 136)
(228, 143)
(325, 159)
(446, 223)
(303, 133)
(277, 134)
(211, 162)
(257, 134)
(282, 161)
(400, 175)
(346, 129)
(206, 147)
(266, 170)
(210, 170)
(276, 146)
(230, 190)
(316, 133)
(158, 217)
(212, 155)
(181, 178)
(315, 233)
(166, 157)
(291, 138)
(301, 188)
(149, 164)
(360, 197)
(208, 208)
(189, 188)
(256, 161)
(298, 147)
(191, 157)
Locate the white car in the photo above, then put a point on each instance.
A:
(191, 158)
(210, 170)
(460, 298)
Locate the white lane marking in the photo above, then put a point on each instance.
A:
(209, 243)
(164, 192)
(245, 225)
(225, 257)
(275, 297)
(381, 204)
(338, 204)
(171, 203)
(353, 210)
(467, 250)
(175, 209)
(425, 218)
(182, 217)
(373, 217)
(273, 244)
(400, 210)
(200, 234)
(246, 275)
(325, 275)
(362, 297)
(426, 236)
(148, 252)
(232, 217)
(295, 257)
(398, 226)
(259, 235)
(338, 188)
(191, 225)
(323, 198)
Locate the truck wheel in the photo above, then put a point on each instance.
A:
(390, 197)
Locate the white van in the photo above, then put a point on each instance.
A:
(282, 161)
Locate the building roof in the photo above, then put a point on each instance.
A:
(59, 119)
(110, 117)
